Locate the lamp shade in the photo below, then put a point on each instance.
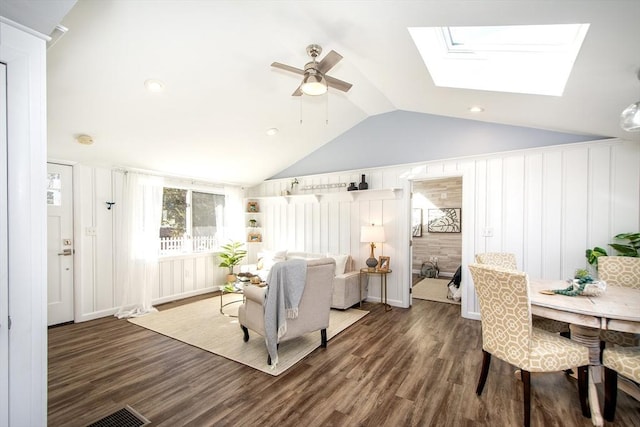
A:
(372, 234)
(630, 118)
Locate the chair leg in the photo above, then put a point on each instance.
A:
(486, 361)
(245, 338)
(323, 338)
(526, 388)
(583, 390)
(610, 393)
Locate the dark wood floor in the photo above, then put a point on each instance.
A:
(406, 367)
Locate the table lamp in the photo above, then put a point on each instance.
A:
(372, 234)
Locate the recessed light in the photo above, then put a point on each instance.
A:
(476, 109)
(272, 131)
(154, 85)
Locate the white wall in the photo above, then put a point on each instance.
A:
(96, 291)
(23, 380)
(547, 205)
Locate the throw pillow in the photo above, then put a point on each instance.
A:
(271, 257)
(341, 262)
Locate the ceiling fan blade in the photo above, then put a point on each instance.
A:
(287, 68)
(327, 63)
(338, 84)
(298, 92)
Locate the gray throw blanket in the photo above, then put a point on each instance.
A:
(286, 284)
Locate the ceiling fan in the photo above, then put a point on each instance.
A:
(315, 80)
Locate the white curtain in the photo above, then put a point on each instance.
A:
(234, 214)
(138, 243)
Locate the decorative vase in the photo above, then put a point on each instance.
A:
(352, 187)
(363, 185)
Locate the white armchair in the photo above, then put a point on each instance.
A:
(313, 310)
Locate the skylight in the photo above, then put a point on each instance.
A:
(533, 59)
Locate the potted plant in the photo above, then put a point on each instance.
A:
(230, 256)
(632, 248)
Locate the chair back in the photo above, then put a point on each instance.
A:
(619, 271)
(505, 311)
(498, 259)
(315, 303)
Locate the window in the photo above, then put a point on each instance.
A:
(533, 59)
(192, 221)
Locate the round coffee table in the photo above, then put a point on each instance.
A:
(231, 288)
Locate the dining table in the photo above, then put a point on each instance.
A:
(617, 309)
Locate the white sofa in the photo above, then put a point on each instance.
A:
(346, 282)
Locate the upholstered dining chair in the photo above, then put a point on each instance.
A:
(508, 260)
(618, 360)
(619, 271)
(507, 333)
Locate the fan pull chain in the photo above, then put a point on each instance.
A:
(300, 109)
(326, 119)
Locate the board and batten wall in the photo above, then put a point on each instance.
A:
(96, 290)
(546, 205)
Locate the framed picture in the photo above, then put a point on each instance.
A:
(444, 220)
(254, 237)
(383, 264)
(416, 222)
(253, 207)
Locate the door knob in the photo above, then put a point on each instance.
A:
(66, 252)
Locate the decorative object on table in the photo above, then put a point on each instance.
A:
(383, 264)
(352, 186)
(632, 248)
(416, 222)
(444, 220)
(363, 185)
(372, 234)
(583, 284)
(254, 237)
(230, 256)
(253, 223)
(253, 207)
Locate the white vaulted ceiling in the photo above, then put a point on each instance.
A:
(221, 94)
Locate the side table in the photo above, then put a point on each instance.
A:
(365, 273)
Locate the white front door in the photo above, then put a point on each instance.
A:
(59, 244)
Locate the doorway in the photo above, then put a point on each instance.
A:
(60, 252)
(436, 225)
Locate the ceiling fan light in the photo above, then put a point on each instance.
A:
(630, 118)
(313, 84)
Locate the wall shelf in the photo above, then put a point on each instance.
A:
(355, 195)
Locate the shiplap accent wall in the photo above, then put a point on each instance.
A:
(96, 289)
(546, 205)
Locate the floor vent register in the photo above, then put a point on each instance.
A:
(125, 417)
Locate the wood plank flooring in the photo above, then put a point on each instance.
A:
(406, 367)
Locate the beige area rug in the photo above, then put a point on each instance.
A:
(200, 324)
(432, 290)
